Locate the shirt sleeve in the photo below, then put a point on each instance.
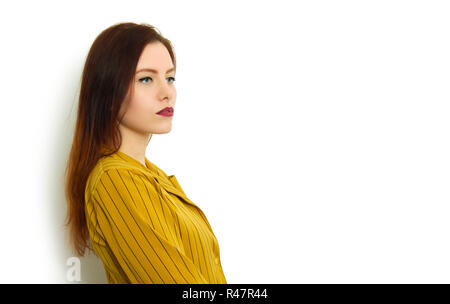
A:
(145, 254)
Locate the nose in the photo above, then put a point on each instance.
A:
(165, 92)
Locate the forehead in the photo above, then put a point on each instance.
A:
(155, 56)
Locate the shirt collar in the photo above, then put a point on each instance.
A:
(168, 182)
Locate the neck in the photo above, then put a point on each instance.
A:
(134, 143)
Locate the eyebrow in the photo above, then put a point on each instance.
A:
(155, 71)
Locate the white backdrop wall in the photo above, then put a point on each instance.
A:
(313, 134)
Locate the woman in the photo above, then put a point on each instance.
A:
(121, 206)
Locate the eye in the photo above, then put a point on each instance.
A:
(173, 79)
(144, 78)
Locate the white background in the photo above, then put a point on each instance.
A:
(314, 135)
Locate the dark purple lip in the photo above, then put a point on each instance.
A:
(166, 109)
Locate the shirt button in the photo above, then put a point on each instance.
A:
(216, 260)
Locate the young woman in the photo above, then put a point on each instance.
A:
(121, 206)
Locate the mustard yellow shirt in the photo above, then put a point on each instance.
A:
(144, 228)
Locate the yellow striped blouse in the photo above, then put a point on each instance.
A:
(144, 228)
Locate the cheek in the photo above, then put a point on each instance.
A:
(143, 103)
(141, 110)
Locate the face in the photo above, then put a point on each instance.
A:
(153, 91)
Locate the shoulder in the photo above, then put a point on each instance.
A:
(118, 175)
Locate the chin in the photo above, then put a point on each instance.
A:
(161, 131)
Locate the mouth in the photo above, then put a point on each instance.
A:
(167, 111)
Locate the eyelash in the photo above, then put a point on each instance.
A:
(173, 78)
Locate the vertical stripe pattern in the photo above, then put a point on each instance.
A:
(144, 228)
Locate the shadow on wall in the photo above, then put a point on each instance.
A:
(92, 271)
(74, 270)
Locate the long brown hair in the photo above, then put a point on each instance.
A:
(106, 83)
